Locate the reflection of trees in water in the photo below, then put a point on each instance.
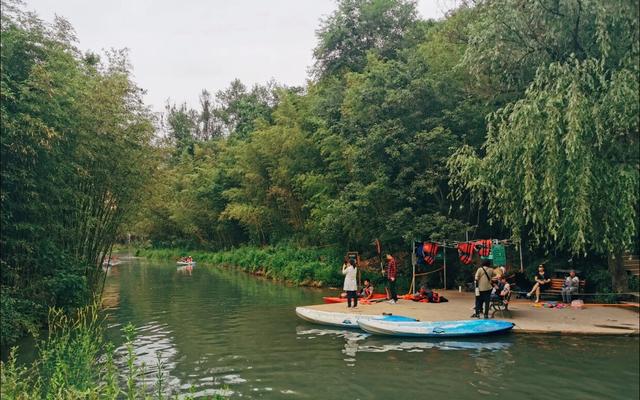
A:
(484, 351)
(209, 319)
(491, 367)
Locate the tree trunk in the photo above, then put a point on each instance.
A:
(619, 281)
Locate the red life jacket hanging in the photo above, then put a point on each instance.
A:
(465, 252)
(483, 247)
(429, 249)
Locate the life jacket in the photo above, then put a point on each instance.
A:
(430, 250)
(483, 247)
(465, 252)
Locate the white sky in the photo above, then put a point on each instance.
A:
(178, 48)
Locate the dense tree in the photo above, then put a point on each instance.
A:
(360, 26)
(74, 151)
(511, 39)
(562, 163)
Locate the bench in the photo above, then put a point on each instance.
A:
(556, 285)
(501, 305)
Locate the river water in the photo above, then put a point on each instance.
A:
(222, 331)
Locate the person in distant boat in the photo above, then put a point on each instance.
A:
(392, 271)
(350, 286)
(542, 282)
(570, 285)
(367, 291)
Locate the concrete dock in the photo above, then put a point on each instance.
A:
(590, 320)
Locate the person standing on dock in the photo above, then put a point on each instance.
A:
(483, 285)
(392, 271)
(350, 273)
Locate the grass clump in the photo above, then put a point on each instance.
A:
(75, 362)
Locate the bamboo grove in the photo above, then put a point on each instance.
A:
(75, 158)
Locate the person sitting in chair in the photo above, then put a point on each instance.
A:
(501, 289)
(571, 284)
(542, 282)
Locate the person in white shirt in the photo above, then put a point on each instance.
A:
(350, 273)
(571, 284)
(500, 289)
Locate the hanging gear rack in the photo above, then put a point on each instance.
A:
(453, 244)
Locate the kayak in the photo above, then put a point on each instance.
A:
(343, 320)
(329, 299)
(186, 263)
(436, 328)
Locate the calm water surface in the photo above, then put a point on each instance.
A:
(222, 331)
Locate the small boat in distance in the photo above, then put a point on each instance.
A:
(111, 262)
(186, 261)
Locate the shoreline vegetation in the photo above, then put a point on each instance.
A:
(300, 266)
(76, 362)
(320, 268)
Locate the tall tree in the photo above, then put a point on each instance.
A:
(563, 163)
(359, 26)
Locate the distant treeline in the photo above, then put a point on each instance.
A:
(508, 118)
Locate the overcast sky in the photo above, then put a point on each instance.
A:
(178, 48)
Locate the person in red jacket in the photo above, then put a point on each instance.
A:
(392, 271)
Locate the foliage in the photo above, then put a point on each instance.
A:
(74, 155)
(75, 362)
(359, 26)
(507, 118)
(305, 266)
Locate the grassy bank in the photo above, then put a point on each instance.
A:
(75, 362)
(318, 267)
(302, 266)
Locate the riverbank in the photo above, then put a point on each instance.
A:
(316, 267)
(590, 320)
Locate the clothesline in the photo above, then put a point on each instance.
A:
(452, 244)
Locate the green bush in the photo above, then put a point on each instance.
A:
(17, 317)
(297, 265)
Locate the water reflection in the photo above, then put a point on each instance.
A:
(357, 341)
(185, 270)
(217, 331)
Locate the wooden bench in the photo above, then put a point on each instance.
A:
(501, 305)
(557, 284)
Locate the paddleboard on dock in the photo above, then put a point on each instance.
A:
(435, 328)
(343, 320)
